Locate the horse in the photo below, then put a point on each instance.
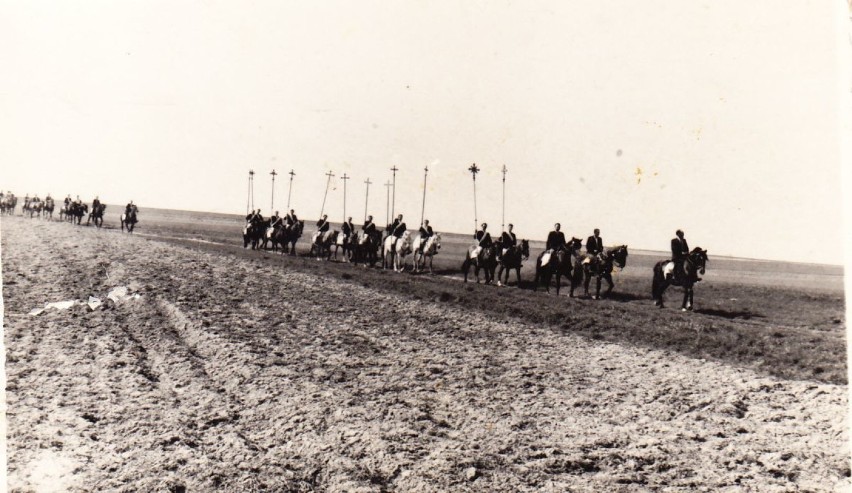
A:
(559, 264)
(396, 248)
(347, 244)
(430, 249)
(48, 208)
(97, 215)
(599, 266)
(129, 220)
(252, 233)
(291, 234)
(77, 212)
(694, 264)
(366, 247)
(7, 205)
(485, 259)
(35, 207)
(513, 259)
(321, 243)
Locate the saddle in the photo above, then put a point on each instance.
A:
(545, 257)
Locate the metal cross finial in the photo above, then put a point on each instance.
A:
(474, 170)
(290, 190)
(367, 197)
(329, 174)
(292, 174)
(344, 177)
(274, 174)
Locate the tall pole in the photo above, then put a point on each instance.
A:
(367, 197)
(251, 187)
(473, 171)
(272, 201)
(292, 174)
(248, 192)
(393, 202)
(423, 207)
(387, 205)
(345, 179)
(503, 224)
(327, 183)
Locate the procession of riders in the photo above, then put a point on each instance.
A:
(72, 211)
(562, 258)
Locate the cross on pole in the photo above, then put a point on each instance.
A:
(387, 205)
(292, 174)
(473, 171)
(367, 197)
(345, 179)
(272, 201)
(250, 196)
(327, 183)
(503, 224)
(393, 201)
(423, 207)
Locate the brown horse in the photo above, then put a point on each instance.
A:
(513, 259)
(599, 266)
(559, 264)
(664, 276)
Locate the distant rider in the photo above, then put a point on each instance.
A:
(507, 240)
(680, 252)
(594, 243)
(425, 233)
(369, 227)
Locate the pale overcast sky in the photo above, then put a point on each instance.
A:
(718, 117)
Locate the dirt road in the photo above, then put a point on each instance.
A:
(233, 374)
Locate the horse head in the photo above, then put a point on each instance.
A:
(525, 249)
(618, 255)
(698, 258)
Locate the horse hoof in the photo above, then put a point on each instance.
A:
(683, 309)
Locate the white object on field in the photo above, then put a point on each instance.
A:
(118, 294)
(59, 305)
(94, 303)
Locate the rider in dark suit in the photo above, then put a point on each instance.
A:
(594, 243)
(369, 227)
(680, 252)
(291, 218)
(555, 239)
(507, 240)
(483, 237)
(425, 233)
(348, 228)
(398, 227)
(322, 224)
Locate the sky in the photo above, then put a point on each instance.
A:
(721, 118)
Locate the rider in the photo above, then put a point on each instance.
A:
(67, 200)
(291, 218)
(369, 227)
(95, 204)
(680, 252)
(348, 229)
(507, 240)
(323, 225)
(594, 243)
(555, 239)
(256, 217)
(274, 220)
(425, 233)
(483, 237)
(397, 228)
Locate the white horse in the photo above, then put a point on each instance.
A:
(321, 243)
(403, 248)
(430, 249)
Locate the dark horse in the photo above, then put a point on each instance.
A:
(48, 208)
(559, 264)
(286, 235)
(485, 260)
(513, 259)
(77, 212)
(694, 264)
(97, 215)
(367, 247)
(599, 266)
(128, 219)
(253, 233)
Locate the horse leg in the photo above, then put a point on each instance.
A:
(598, 289)
(691, 293)
(586, 282)
(466, 269)
(686, 290)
